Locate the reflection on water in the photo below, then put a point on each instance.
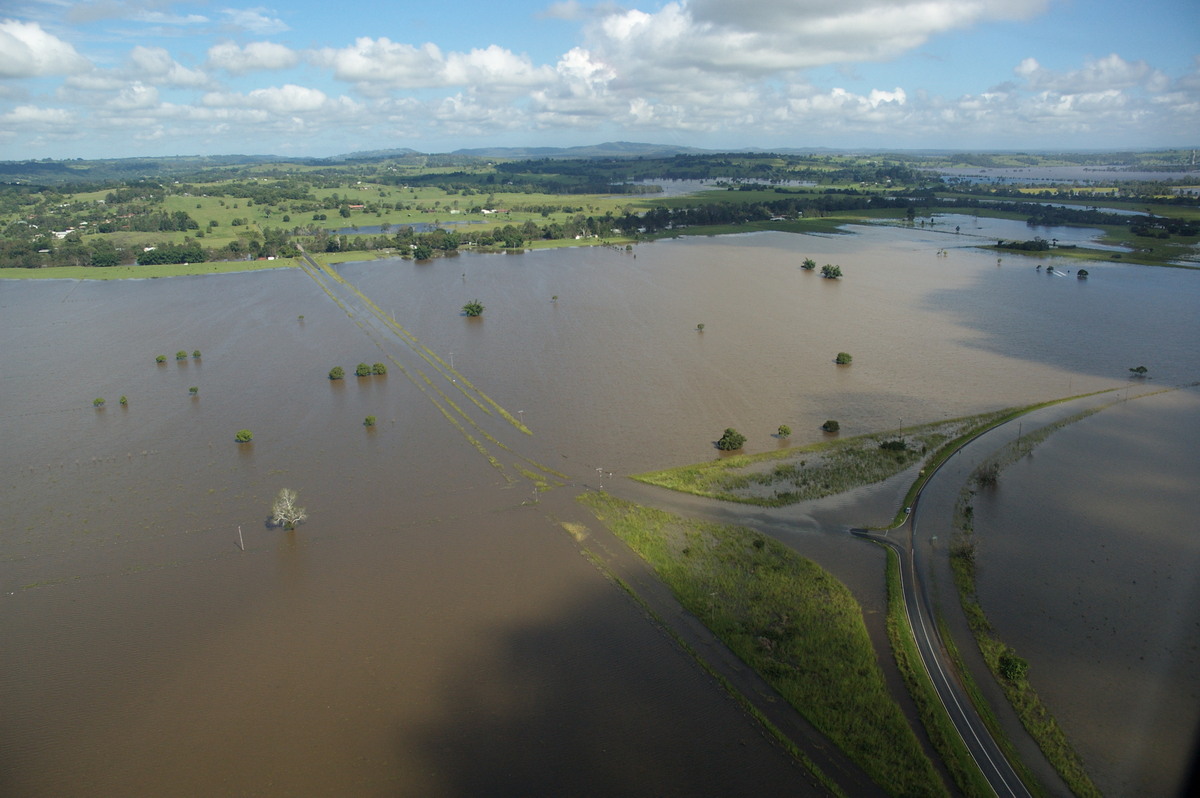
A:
(339, 655)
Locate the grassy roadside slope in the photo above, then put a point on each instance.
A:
(792, 622)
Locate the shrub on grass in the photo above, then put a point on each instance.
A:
(1012, 667)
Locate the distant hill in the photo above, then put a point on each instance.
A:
(80, 172)
(610, 149)
(371, 155)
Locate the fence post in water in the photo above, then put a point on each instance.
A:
(241, 543)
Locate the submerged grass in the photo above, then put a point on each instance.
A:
(792, 622)
(776, 479)
(1034, 715)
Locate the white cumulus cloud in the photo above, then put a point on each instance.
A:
(155, 64)
(380, 64)
(767, 36)
(384, 62)
(27, 51)
(285, 100)
(251, 58)
(34, 116)
(1110, 72)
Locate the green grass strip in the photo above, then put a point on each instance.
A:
(792, 622)
(745, 703)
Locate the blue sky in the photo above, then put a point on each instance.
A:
(119, 78)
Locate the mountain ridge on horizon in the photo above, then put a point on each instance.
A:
(48, 171)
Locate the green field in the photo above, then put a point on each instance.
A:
(227, 212)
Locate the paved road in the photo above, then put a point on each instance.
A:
(966, 720)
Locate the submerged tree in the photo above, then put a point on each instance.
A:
(473, 308)
(831, 272)
(284, 510)
(784, 431)
(843, 359)
(1139, 371)
(731, 440)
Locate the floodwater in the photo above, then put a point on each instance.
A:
(1090, 559)
(971, 230)
(1102, 175)
(429, 631)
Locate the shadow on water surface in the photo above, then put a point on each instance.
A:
(539, 696)
(1121, 316)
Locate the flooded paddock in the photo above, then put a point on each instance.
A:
(1090, 561)
(430, 630)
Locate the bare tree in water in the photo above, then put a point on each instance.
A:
(284, 510)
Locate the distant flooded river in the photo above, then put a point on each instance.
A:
(427, 632)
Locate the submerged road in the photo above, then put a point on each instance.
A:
(915, 542)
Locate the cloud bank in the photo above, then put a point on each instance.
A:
(694, 71)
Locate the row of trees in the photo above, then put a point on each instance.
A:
(731, 440)
(189, 251)
(362, 370)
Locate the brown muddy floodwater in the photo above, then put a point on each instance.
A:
(428, 631)
(1090, 552)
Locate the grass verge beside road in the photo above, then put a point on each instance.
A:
(792, 622)
(941, 732)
